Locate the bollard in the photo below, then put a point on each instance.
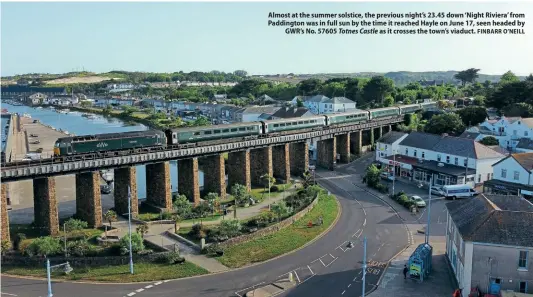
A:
(291, 277)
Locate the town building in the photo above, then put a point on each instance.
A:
(512, 176)
(22, 92)
(508, 131)
(321, 104)
(36, 99)
(442, 159)
(253, 113)
(489, 243)
(389, 143)
(291, 112)
(62, 100)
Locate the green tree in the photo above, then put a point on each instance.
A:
(5, 246)
(268, 181)
(299, 103)
(508, 77)
(229, 228)
(521, 109)
(201, 121)
(372, 176)
(489, 140)
(309, 87)
(377, 89)
(473, 115)
(142, 229)
(509, 93)
(450, 123)
(75, 225)
(307, 179)
(110, 216)
(467, 76)
(240, 194)
(213, 200)
(137, 243)
(389, 101)
(182, 206)
(479, 100)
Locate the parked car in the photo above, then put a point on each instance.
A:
(35, 142)
(34, 135)
(387, 176)
(105, 189)
(418, 201)
(436, 190)
(458, 191)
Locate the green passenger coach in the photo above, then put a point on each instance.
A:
(348, 117)
(198, 134)
(384, 112)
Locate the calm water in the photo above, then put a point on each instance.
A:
(73, 122)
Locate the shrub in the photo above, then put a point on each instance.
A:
(274, 188)
(170, 258)
(229, 228)
(137, 243)
(79, 248)
(73, 224)
(198, 231)
(166, 215)
(213, 250)
(381, 188)
(6, 245)
(43, 246)
(18, 239)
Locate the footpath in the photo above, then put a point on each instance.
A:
(440, 282)
(157, 232)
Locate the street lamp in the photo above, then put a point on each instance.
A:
(129, 228)
(429, 210)
(67, 270)
(364, 266)
(393, 170)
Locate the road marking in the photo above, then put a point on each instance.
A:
(2, 293)
(340, 246)
(310, 270)
(256, 285)
(131, 294)
(158, 283)
(148, 287)
(356, 232)
(297, 276)
(349, 285)
(364, 223)
(343, 292)
(139, 290)
(322, 262)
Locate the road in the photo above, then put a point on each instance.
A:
(324, 268)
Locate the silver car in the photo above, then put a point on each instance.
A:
(436, 190)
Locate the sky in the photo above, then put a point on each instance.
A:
(59, 37)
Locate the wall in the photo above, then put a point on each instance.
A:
(388, 149)
(456, 245)
(250, 117)
(504, 265)
(271, 229)
(511, 166)
(484, 167)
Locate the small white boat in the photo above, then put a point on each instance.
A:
(27, 115)
(92, 117)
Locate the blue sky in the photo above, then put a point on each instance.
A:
(168, 37)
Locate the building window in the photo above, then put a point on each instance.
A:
(523, 287)
(488, 176)
(504, 173)
(447, 159)
(456, 161)
(414, 153)
(525, 133)
(423, 155)
(479, 178)
(407, 152)
(438, 158)
(516, 175)
(465, 162)
(522, 259)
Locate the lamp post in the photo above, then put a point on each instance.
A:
(393, 170)
(429, 210)
(129, 228)
(364, 266)
(67, 270)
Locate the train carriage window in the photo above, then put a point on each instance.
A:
(300, 122)
(276, 125)
(234, 130)
(196, 133)
(282, 125)
(208, 132)
(225, 131)
(217, 131)
(306, 122)
(294, 123)
(242, 129)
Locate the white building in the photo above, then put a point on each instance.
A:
(388, 144)
(508, 131)
(320, 104)
(121, 86)
(445, 160)
(489, 243)
(256, 113)
(512, 176)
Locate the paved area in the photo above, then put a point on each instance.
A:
(440, 282)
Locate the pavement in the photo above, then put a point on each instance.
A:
(325, 267)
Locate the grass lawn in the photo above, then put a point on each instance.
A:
(121, 273)
(284, 241)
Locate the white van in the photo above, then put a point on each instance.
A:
(458, 191)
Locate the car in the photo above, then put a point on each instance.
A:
(436, 190)
(418, 201)
(105, 189)
(388, 176)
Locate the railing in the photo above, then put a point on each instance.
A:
(88, 162)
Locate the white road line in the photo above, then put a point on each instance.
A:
(364, 211)
(148, 287)
(341, 245)
(310, 270)
(356, 232)
(158, 283)
(139, 290)
(349, 285)
(364, 223)
(332, 256)
(331, 262)
(2, 293)
(343, 292)
(322, 262)
(166, 281)
(307, 279)
(297, 276)
(131, 294)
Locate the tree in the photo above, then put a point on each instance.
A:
(509, 93)
(5, 246)
(280, 209)
(182, 206)
(389, 101)
(377, 89)
(489, 140)
(85, 104)
(521, 109)
(443, 104)
(299, 103)
(449, 123)
(508, 77)
(479, 100)
(309, 87)
(240, 194)
(229, 228)
(467, 76)
(268, 181)
(75, 225)
(137, 243)
(213, 200)
(473, 115)
(240, 73)
(111, 217)
(142, 229)
(177, 221)
(201, 121)
(372, 176)
(307, 179)
(202, 209)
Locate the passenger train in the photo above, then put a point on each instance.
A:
(129, 142)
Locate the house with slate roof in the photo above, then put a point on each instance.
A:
(489, 243)
(442, 159)
(320, 104)
(512, 176)
(508, 130)
(291, 112)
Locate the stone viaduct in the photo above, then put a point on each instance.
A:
(243, 167)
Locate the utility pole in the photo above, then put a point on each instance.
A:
(364, 266)
(129, 228)
(393, 170)
(429, 212)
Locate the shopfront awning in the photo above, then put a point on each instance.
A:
(431, 166)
